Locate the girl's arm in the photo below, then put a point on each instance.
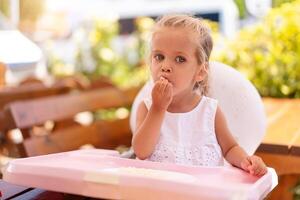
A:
(232, 152)
(148, 129)
(149, 122)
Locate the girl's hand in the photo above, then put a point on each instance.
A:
(162, 94)
(254, 165)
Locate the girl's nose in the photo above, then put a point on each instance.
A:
(165, 68)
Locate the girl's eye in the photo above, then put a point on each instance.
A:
(180, 59)
(159, 57)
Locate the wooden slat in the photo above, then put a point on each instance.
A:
(56, 108)
(31, 91)
(36, 89)
(101, 82)
(273, 148)
(101, 134)
(295, 149)
(25, 92)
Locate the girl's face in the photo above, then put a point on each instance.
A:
(173, 56)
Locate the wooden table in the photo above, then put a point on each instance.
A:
(11, 191)
(280, 148)
(281, 145)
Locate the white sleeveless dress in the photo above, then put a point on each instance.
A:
(189, 138)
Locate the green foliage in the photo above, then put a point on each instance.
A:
(243, 10)
(296, 191)
(112, 114)
(124, 65)
(268, 53)
(277, 3)
(241, 7)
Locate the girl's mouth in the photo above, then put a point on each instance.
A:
(164, 77)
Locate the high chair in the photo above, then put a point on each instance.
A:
(238, 99)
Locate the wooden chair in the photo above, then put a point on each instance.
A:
(103, 134)
(32, 88)
(29, 90)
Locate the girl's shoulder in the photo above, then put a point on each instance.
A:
(209, 101)
(209, 105)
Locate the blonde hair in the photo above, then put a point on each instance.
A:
(204, 40)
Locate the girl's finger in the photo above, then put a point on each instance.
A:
(245, 164)
(164, 85)
(257, 171)
(265, 171)
(160, 84)
(162, 81)
(155, 87)
(251, 170)
(169, 89)
(253, 160)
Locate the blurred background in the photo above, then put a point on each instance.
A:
(108, 38)
(47, 41)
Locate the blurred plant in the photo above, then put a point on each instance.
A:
(112, 114)
(121, 58)
(296, 191)
(268, 53)
(241, 7)
(214, 26)
(277, 3)
(58, 67)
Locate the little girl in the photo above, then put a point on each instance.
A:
(179, 124)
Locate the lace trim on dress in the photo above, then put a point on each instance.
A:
(206, 155)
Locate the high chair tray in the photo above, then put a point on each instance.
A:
(103, 174)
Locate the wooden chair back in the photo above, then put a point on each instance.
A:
(104, 134)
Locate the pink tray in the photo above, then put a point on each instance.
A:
(84, 172)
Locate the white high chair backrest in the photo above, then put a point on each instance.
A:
(238, 99)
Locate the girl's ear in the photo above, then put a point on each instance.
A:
(202, 72)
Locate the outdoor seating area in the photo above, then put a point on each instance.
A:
(83, 84)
